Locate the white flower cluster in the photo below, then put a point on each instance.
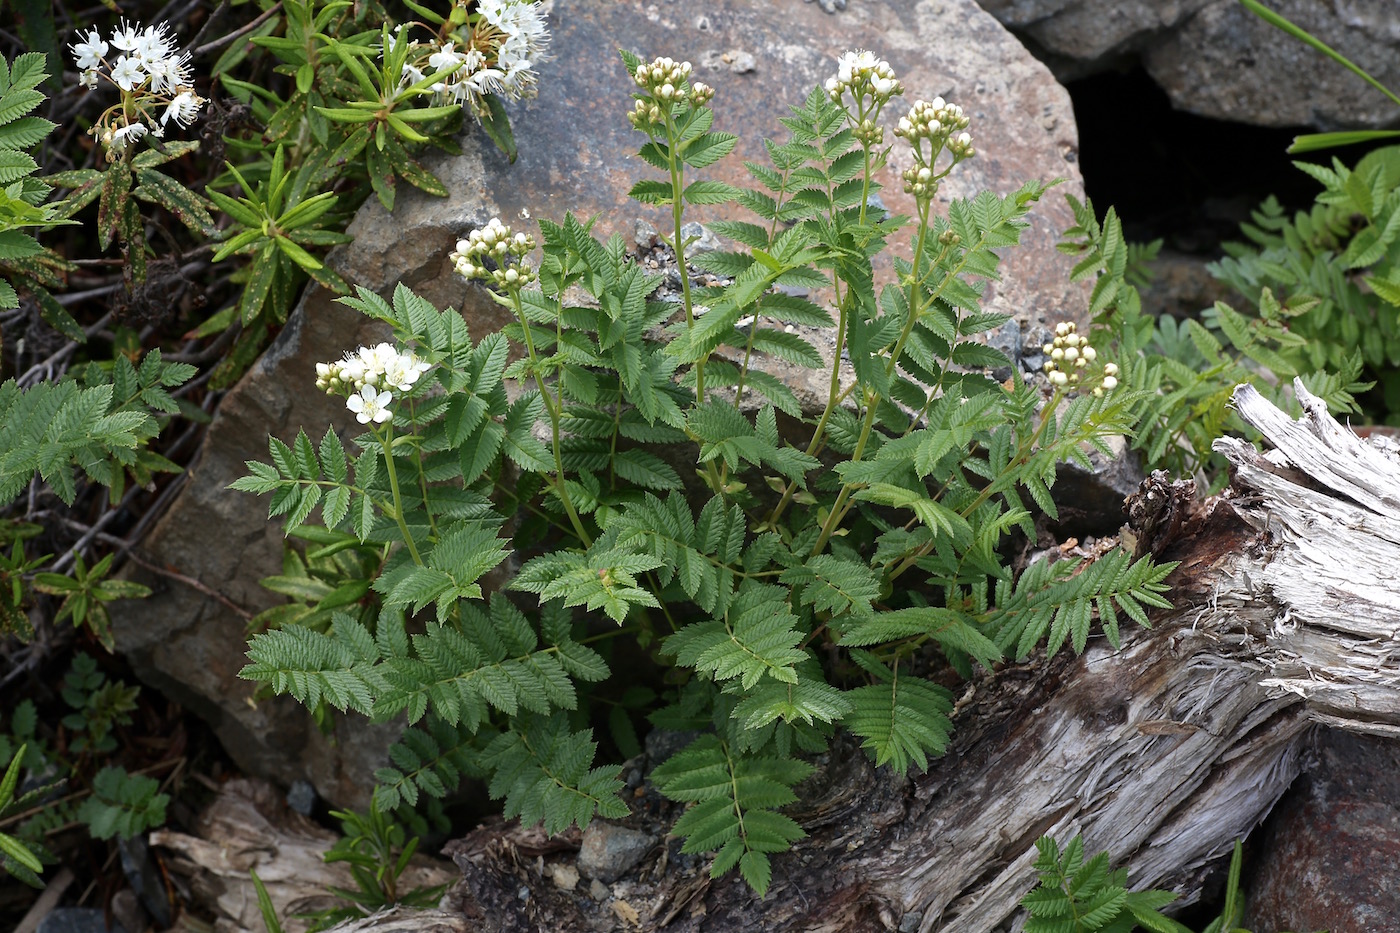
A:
(504, 42)
(506, 252)
(934, 123)
(367, 375)
(663, 81)
(863, 75)
(154, 78)
(1070, 354)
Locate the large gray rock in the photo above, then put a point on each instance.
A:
(1216, 59)
(1090, 31)
(1225, 62)
(577, 153)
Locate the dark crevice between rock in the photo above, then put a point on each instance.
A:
(1188, 179)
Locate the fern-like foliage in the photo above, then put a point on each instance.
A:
(23, 261)
(479, 662)
(797, 589)
(1079, 896)
(1334, 271)
(1187, 369)
(902, 718)
(1057, 600)
(541, 769)
(431, 760)
(736, 801)
(51, 428)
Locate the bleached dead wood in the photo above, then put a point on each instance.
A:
(249, 827)
(1287, 614)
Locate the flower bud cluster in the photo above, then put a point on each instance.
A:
(863, 76)
(1070, 358)
(664, 82)
(366, 377)
(505, 250)
(940, 125)
(153, 76)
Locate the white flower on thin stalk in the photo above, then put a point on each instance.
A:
(127, 135)
(88, 54)
(370, 404)
(445, 57)
(183, 108)
(126, 37)
(153, 44)
(403, 371)
(127, 73)
(170, 74)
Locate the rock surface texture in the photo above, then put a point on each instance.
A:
(577, 153)
(1216, 59)
(1331, 845)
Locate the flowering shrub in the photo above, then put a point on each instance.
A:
(491, 51)
(783, 598)
(154, 79)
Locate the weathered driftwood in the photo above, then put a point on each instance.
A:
(1166, 750)
(247, 827)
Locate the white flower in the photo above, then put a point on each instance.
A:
(445, 57)
(170, 73)
(183, 108)
(88, 78)
(1110, 383)
(370, 405)
(126, 37)
(126, 135)
(127, 73)
(403, 371)
(153, 43)
(90, 51)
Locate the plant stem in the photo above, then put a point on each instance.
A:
(1023, 451)
(387, 441)
(551, 407)
(840, 508)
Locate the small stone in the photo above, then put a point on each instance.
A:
(644, 235)
(598, 891)
(77, 920)
(127, 911)
(910, 922)
(1007, 339)
(831, 6)
(301, 797)
(741, 62)
(876, 209)
(609, 851)
(661, 744)
(565, 876)
(705, 240)
(1034, 338)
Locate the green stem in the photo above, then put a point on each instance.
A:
(422, 475)
(1023, 452)
(840, 509)
(387, 441)
(551, 407)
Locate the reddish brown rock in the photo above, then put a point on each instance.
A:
(1331, 847)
